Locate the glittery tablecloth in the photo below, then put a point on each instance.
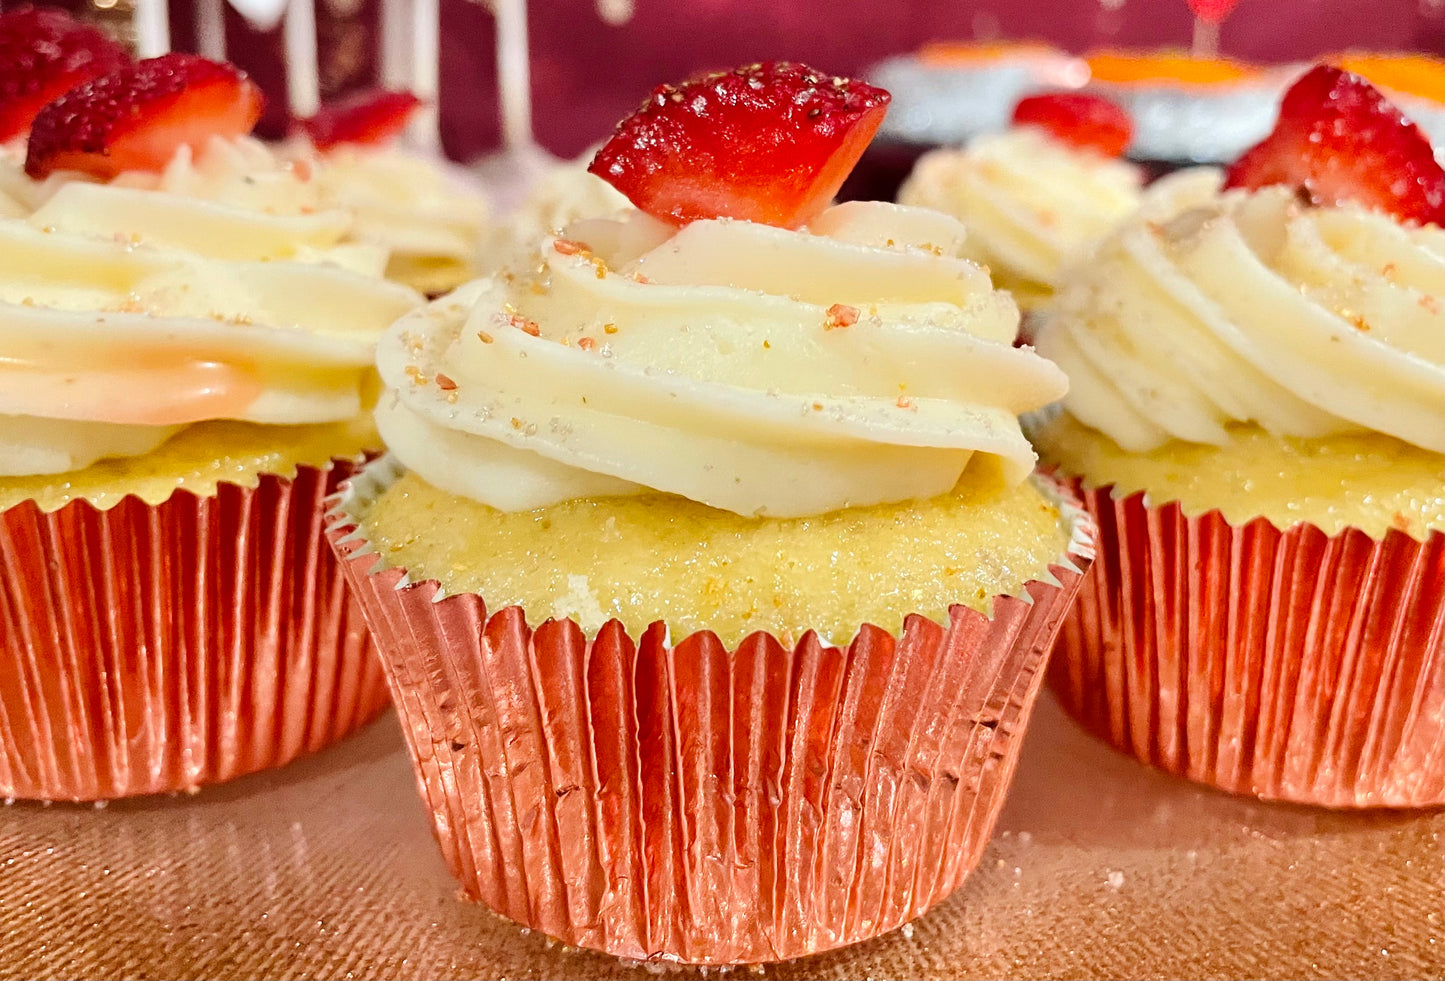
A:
(1100, 868)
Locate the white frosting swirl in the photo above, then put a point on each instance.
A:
(427, 214)
(1030, 202)
(126, 313)
(565, 193)
(751, 368)
(1251, 307)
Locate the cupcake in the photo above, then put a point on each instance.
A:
(184, 382)
(706, 567)
(1036, 196)
(429, 215)
(1257, 384)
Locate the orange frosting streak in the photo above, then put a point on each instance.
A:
(1123, 67)
(1419, 75)
(144, 388)
(970, 53)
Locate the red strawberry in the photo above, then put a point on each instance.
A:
(1338, 139)
(1079, 119)
(1213, 11)
(43, 55)
(769, 143)
(371, 117)
(138, 117)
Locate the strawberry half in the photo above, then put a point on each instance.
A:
(1339, 139)
(372, 118)
(769, 143)
(1089, 122)
(44, 53)
(136, 118)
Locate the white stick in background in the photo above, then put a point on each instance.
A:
(510, 173)
(396, 49)
(152, 24)
(1205, 43)
(411, 59)
(211, 29)
(303, 77)
(426, 73)
(514, 73)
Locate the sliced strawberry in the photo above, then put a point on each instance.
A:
(1339, 139)
(372, 118)
(1089, 122)
(1213, 11)
(44, 53)
(138, 117)
(770, 143)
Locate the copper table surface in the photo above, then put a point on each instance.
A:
(1099, 868)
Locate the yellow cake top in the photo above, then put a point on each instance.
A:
(1364, 481)
(198, 459)
(654, 557)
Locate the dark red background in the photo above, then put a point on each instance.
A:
(586, 74)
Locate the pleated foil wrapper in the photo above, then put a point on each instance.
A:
(1289, 665)
(152, 648)
(684, 801)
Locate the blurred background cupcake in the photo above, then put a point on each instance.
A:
(430, 216)
(1035, 197)
(1257, 382)
(187, 344)
(712, 544)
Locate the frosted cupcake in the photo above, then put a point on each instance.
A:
(183, 382)
(709, 541)
(429, 215)
(1037, 195)
(1256, 391)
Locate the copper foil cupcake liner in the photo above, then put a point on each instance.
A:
(685, 801)
(150, 648)
(1290, 665)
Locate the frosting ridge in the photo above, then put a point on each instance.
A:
(1307, 321)
(1030, 202)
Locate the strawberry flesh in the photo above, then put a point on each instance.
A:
(44, 53)
(1339, 139)
(136, 118)
(1213, 11)
(370, 118)
(769, 143)
(1079, 119)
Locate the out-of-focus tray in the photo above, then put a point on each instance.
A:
(1099, 868)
